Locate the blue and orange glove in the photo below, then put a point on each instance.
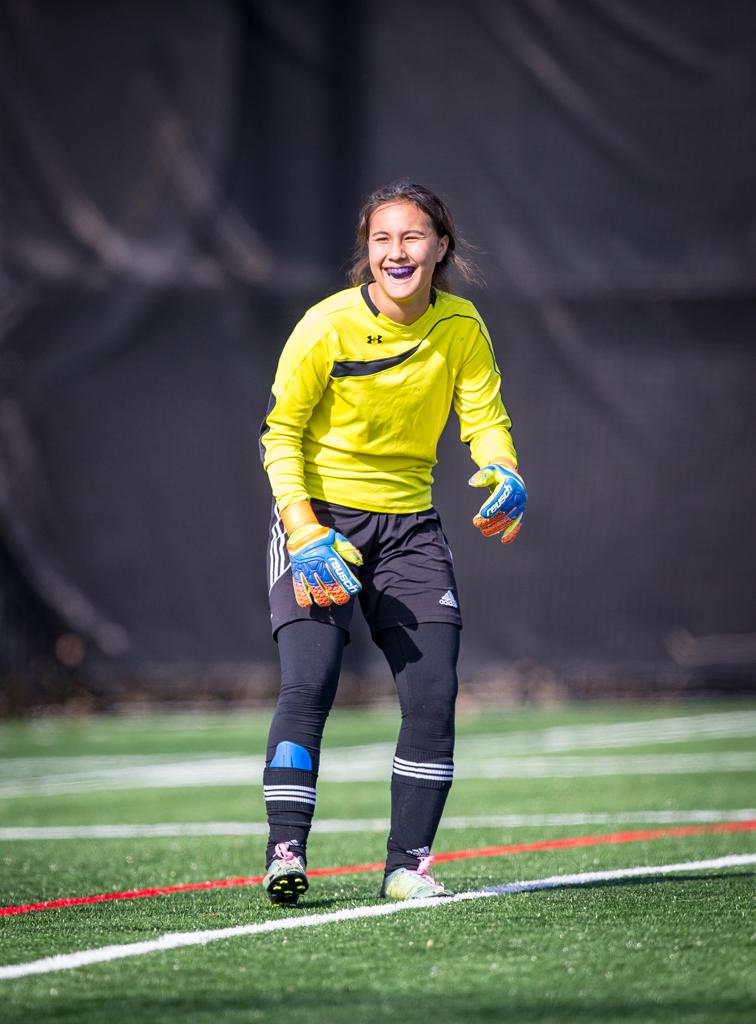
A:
(504, 510)
(319, 569)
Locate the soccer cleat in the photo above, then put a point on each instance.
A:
(286, 878)
(404, 884)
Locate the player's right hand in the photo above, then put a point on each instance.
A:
(319, 569)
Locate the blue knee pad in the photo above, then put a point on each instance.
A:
(291, 755)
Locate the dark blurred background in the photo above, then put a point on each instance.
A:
(180, 180)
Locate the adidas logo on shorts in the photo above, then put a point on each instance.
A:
(449, 600)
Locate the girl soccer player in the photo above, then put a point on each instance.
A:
(363, 389)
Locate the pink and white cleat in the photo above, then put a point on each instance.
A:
(286, 878)
(405, 884)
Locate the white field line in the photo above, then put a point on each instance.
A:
(177, 940)
(556, 739)
(477, 757)
(337, 825)
(245, 771)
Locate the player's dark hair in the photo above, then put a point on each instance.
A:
(454, 260)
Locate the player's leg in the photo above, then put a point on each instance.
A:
(310, 653)
(310, 646)
(423, 660)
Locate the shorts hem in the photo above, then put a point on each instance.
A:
(415, 621)
(305, 618)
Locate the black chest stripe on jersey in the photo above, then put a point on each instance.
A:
(362, 368)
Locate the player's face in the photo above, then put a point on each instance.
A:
(403, 249)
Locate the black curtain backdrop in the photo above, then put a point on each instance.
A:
(181, 180)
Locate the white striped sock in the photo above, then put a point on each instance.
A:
(292, 794)
(442, 772)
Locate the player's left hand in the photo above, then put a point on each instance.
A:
(504, 510)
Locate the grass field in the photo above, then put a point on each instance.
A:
(177, 800)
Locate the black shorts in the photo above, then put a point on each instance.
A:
(407, 575)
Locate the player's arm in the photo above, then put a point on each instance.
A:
(318, 555)
(485, 426)
(299, 383)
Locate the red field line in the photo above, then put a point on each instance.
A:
(634, 836)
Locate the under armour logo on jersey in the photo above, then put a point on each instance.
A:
(374, 339)
(449, 600)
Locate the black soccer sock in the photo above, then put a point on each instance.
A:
(420, 783)
(423, 661)
(289, 800)
(310, 654)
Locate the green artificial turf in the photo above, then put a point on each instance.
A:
(652, 949)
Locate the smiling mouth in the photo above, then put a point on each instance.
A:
(399, 273)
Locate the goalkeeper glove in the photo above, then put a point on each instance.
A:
(318, 566)
(504, 510)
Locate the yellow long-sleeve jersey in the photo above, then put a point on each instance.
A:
(359, 402)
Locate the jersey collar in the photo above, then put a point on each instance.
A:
(409, 328)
